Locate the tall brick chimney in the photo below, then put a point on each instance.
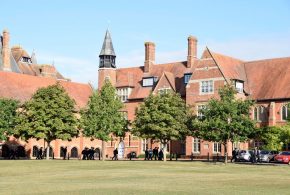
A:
(192, 51)
(149, 56)
(6, 51)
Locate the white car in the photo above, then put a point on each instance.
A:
(244, 155)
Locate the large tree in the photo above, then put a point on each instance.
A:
(48, 115)
(226, 119)
(8, 109)
(103, 117)
(162, 117)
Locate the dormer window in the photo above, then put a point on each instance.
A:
(26, 59)
(187, 77)
(239, 85)
(148, 81)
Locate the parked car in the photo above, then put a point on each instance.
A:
(245, 155)
(267, 155)
(283, 157)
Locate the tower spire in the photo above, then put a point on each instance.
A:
(107, 55)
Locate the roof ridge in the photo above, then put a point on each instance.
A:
(261, 60)
(227, 56)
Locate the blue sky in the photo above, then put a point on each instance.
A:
(71, 33)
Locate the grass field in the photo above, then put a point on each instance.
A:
(139, 177)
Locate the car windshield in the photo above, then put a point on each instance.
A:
(264, 152)
(285, 153)
(243, 151)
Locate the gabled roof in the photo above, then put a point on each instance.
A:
(18, 52)
(107, 48)
(22, 87)
(132, 77)
(168, 78)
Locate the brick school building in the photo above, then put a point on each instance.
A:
(195, 79)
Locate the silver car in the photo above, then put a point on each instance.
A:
(244, 155)
(267, 155)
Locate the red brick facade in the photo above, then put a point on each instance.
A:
(197, 80)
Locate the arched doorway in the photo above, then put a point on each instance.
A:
(74, 152)
(121, 150)
(50, 152)
(61, 150)
(34, 151)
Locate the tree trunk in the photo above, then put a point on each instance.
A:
(47, 150)
(226, 152)
(103, 150)
(164, 151)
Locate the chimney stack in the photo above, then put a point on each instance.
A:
(6, 51)
(149, 56)
(192, 51)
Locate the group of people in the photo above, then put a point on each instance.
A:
(88, 154)
(155, 153)
(255, 155)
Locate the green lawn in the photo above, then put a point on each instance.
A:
(139, 177)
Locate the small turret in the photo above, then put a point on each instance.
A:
(107, 55)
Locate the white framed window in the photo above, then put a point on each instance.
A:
(123, 93)
(187, 77)
(195, 145)
(239, 86)
(148, 82)
(144, 144)
(285, 112)
(217, 147)
(206, 87)
(164, 90)
(200, 115)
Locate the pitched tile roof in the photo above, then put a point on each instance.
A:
(132, 77)
(22, 87)
(269, 79)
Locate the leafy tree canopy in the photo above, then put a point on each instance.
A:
(8, 109)
(162, 117)
(48, 115)
(103, 114)
(226, 119)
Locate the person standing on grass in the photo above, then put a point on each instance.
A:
(91, 153)
(150, 153)
(255, 152)
(160, 155)
(234, 155)
(155, 153)
(146, 154)
(85, 154)
(64, 152)
(39, 154)
(115, 154)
